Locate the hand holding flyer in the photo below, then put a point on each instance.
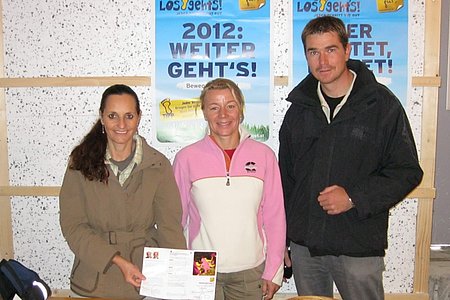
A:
(179, 274)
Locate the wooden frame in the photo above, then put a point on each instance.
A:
(73, 81)
(430, 81)
(447, 106)
(428, 144)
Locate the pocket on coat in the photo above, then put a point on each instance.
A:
(83, 277)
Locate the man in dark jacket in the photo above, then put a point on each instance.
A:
(347, 155)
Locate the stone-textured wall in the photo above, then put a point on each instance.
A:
(114, 38)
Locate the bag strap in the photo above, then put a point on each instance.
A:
(39, 291)
(7, 290)
(13, 277)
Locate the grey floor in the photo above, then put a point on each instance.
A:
(439, 282)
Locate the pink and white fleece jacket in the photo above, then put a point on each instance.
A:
(234, 207)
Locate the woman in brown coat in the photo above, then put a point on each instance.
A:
(118, 195)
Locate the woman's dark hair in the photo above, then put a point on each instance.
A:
(89, 156)
(325, 24)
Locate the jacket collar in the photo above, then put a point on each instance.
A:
(243, 133)
(305, 93)
(324, 104)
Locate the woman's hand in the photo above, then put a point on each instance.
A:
(269, 289)
(130, 272)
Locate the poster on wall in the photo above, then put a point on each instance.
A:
(378, 34)
(196, 41)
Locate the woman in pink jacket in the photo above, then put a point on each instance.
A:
(232, 198)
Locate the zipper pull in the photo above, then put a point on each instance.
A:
(228, 179)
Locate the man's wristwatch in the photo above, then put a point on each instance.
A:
(351, 202)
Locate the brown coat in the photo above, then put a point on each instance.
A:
(100, 221)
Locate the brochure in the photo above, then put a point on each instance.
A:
(179, 274)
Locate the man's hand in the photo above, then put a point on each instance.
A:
(269, 289)
(334, 200)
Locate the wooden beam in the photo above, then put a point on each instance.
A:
(412, 296)
(64, 295)
(52, 191)
(74, 81)
(423, 192)
(428, 144)
(281, 80)
(428, 81)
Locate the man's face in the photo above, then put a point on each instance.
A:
(326, 57)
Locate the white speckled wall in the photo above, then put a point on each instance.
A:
(113, 38)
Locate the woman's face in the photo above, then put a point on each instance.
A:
(120, 118)
(222, 112)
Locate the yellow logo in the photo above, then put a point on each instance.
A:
(389, 5)
(251, 4)
(180, 109)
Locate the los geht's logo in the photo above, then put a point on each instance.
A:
(330, 6)
(190, 5)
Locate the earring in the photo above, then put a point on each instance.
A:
(103, 129)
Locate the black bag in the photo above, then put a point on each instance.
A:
(15, 278)
(287, 270)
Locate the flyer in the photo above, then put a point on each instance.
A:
(179, 274)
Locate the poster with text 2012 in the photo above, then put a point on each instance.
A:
(197, 41)
(378, 34)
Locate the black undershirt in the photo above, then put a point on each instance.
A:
(332, 103)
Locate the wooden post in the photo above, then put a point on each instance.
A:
(428, 143)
